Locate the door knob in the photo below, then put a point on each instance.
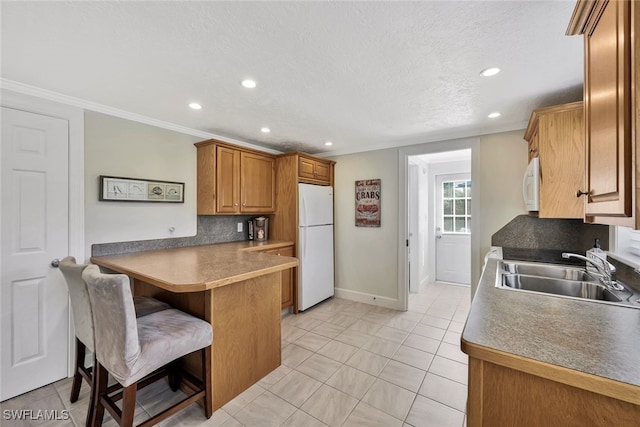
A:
(55, 263)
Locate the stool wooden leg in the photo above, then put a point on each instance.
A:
(175, 374)
(206, 378)
(128, 405)
(101, 384)
(93, 393)
(77, 377)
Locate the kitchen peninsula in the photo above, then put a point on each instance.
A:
(233, 286)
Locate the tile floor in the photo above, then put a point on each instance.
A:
(343, 364)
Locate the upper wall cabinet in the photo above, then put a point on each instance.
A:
(233, 180)
(612, 115)
(314, 170)
(556, 136)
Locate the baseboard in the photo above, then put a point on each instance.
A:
(368, 298)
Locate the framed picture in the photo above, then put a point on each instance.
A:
(368, 196)
(118, 189)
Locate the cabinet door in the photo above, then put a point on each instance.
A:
(287, 276)
(533, 146)
(607, 108)
(561, 140)
(306, 168)
(323, 171)
(227, 177)
(257, 183)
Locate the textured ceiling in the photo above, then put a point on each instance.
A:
(364, 75)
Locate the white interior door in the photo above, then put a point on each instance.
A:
(414, 249)
(453, 228)
(34, 321)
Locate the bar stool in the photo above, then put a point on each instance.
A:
(131, 348)
(83, 322)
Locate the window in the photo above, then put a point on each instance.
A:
(627, 245)
(456, 207)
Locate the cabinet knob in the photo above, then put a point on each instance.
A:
(235, 204)
(582, 193)
(244, 205)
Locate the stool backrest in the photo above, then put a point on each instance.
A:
(80, 303)
(114, 319)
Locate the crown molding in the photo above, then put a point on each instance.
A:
(105, 109)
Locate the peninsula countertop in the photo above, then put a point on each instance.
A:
(199, 268)
(581, 343)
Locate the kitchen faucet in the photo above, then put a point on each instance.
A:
(603, 269)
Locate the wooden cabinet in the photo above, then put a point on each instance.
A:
(287, 276)
(507, 391)
(556, 135)
(314, 170)
(232, 180)
(612, 115)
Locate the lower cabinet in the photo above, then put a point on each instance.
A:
(501, 396)
(287, 277)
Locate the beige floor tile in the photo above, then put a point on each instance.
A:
(422, 343)
(293, 355)
(329, 405)
(389, 398)
(403, 375)
(449, 369)
(365, 326)
(218, 419)
(192, 415)
(381, 346)
(351, 381)
(367, 416)
(158, 396)
(295, 388)
(320, 315)
(267, 410)
(368, 362)
(435, 321)
(243, 399)
(452, 338)
(338, 351)
(429, 413)
(307, 323)
(453, 352)
(456, 326)
(408, 315)
(276, 375)
(232, 422)
(291, 333)
(311, 341)
(343, 320)
(377, 317)
(403, 324)
(302, 419)
(429, 331)
(319, 367)
(392, 334)
(414, 357)
(445, 391)
(328, 330)
(354, 338)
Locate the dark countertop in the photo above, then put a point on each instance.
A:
(587, 337)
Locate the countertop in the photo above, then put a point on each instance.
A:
(199, 268)
(598, 344)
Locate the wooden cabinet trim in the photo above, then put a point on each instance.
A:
(615, 389)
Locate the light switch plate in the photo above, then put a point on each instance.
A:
(239, 227)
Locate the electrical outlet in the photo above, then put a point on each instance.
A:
(239, 227)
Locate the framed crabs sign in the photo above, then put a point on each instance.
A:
(368, 203)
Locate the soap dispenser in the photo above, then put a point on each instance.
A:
(597, 255)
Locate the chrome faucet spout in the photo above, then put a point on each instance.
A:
(603, 269)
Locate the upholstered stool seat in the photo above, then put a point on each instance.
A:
(83, 320)
(131, 348)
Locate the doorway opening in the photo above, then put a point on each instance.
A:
(439, 195)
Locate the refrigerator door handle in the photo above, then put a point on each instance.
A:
(303, 220)
(304, 241)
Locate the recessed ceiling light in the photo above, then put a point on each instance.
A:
(248, 83)
(265, 130)
(494, 115)
(328, 143)
(195, 106)
(488, 72)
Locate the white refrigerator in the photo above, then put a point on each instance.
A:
(315, 244)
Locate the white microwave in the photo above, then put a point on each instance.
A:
(531, 185)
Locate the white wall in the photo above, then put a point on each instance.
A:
(367, 258)
(364, 255)
(123, 148)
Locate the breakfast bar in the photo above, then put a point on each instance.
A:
(231, 285)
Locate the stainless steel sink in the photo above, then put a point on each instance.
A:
(565, 287)
(548, 270)
(561, 280)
